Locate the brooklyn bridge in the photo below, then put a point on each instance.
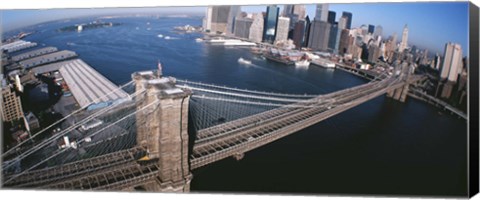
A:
(146, 142)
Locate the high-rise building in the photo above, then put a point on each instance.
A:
(283, 26)
(219, 19)
(308, 25)
(234, 13)
(270, 24)
(378, 31)
(373, 53)
(437, 62)
(371, 29)
(321, 13)
(207, 20)
(242, 27)
(348, 15)
(11, 105)
(318, 37)
(404, 42)
(287, 9)
(299, 34)
(256, 29)
(345, 41)
(331, 17)
(452, 62)
(332, 38)
(300, 10)
(342, 24)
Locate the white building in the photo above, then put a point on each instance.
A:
(283, 25)
(404, 43)
(256, 29)
(321, 13)
(452, 62)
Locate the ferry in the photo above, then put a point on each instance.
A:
(244, 61)
(302, 63)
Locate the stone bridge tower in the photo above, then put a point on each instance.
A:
(403, 71)
(163, 130)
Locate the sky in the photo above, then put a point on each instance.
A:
(431, 25)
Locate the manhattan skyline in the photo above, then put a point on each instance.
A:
(431, 25)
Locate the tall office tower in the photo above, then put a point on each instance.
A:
(207, 20)
(332, 38)
(299, 33)
(437, 62)
(404, 43)
(319, 33)
(371, 29)
(345, 42)
(287, 9)
(256, 29)
(378, 31)
(295, 13)
(373, 53)
(348, 15)
(452, 62)
(232, 15)
(300, 10)
(220, 18)
(270, 24)
(331, 17)
(321, 13)
(242, 27)
(342, 24)
(283, 26)
(11, 105)
(308, 25)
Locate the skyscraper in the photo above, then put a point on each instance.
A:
(270, 24)
(11, 106)
(345, 41)
(321, 13)
(207, 20)
(256, 29)
(220, 17)
(332, 38)
(378, 31)
(348, 15)
(452, 62)
(404, 43)
(234, 13)
(308, 25)
(299, 33)
(371, 29)
(318, 37)
(300, 10)
(331, 17)
(242, 27)
(283, 26)
(342, 24)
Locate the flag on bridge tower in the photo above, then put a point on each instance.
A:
(159, 69)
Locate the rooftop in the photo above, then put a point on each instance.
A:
(48, 58)
(34, 53)
(87, 85)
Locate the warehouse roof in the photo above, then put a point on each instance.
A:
(87, 85)
(48, 58)
(17, 45)
(34, 53)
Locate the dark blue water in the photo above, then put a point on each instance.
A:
(380, 147)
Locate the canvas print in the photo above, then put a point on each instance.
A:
(317, 99)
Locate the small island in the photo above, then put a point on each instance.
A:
(91, 25)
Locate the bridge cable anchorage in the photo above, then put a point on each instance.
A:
(103, 111)
(64, 118)
(128, 121)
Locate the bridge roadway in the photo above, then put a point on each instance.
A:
(415, 93)
(120, 170)
(237, 137)
(93, 173)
